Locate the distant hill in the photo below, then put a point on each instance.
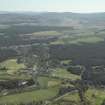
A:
(52, 19)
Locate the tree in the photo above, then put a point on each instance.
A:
(3, 68)
(82, 88)
(103, 103)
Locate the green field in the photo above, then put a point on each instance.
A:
(42, 94)
(12, 65)
(12, 68)
(71, 97)
(94, 96)
(46, 33)
(92, 39)
(6, 76)
(79, 39)
(63, 73)
(48, 82)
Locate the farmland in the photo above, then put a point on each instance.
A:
(52, 59)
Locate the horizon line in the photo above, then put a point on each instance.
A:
(25, 11)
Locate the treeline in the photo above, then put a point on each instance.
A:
(6, 54)
(15, 35)
(30, 29)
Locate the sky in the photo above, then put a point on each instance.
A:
(79, 6)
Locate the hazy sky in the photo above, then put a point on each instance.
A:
(53, 5)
